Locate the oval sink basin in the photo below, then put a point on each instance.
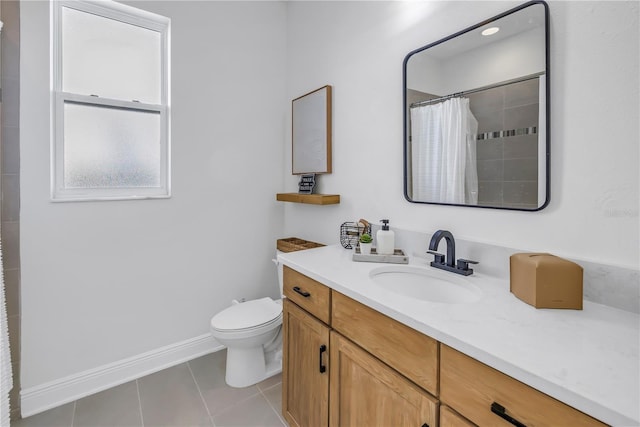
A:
(425, 284)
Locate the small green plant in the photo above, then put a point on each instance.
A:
(366, 238)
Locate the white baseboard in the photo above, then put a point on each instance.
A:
(55, 393)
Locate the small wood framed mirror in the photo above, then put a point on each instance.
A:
(311, 132)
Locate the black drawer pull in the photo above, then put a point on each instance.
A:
(323, 368)
(500, 411)
(301, 292)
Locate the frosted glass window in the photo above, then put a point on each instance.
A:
(109, 58)
(110, 148)
(111, 100)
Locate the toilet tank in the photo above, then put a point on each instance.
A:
(280, 267)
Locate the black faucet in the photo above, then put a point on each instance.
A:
(448, 263)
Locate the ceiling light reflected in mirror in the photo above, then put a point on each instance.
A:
(490, 31)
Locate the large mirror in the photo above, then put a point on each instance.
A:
(477, 114)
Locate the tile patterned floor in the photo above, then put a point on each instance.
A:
(191, 394)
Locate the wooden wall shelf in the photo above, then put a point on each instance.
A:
(313, 199)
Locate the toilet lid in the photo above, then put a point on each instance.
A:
(247, 315)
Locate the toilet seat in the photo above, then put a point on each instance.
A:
(247, 316)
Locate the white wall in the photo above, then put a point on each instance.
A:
(105, 281)
(358, 47)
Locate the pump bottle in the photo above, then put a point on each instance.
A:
(385, 239)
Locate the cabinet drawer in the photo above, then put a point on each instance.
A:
(449, 418)
(312, 296)
(471, 388)
(406, 350)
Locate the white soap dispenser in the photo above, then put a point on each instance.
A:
(385, 239)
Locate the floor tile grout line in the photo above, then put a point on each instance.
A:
(241, 401)
(200, 393)
(278, 412)
(140, 403)
(73, 414)
(270, 387)
(253, 396)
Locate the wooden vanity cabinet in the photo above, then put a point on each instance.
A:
(345, 364)
(481, 393)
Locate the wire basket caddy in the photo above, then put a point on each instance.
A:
(350, 233)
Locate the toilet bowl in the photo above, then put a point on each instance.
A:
(252, 333)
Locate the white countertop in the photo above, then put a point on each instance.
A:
(586, 358)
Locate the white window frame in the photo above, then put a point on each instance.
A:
(129, 15)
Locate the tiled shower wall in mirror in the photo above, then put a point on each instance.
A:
(507, 147)
(10, 171)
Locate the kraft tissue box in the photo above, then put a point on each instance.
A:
(546, 281)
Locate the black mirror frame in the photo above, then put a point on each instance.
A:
(547, 112)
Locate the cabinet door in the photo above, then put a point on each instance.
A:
(366, 392)
(305, 368)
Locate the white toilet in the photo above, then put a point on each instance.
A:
(252, 333)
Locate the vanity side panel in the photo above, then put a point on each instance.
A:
(406, 350)
(471, 387)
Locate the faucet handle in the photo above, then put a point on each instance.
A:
(438, 258)
(463, 264)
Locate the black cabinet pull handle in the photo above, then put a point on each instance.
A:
(301, 292)
(425, 425)
(500, 411)
(323, 368)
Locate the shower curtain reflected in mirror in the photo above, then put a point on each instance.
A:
(443, 145)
